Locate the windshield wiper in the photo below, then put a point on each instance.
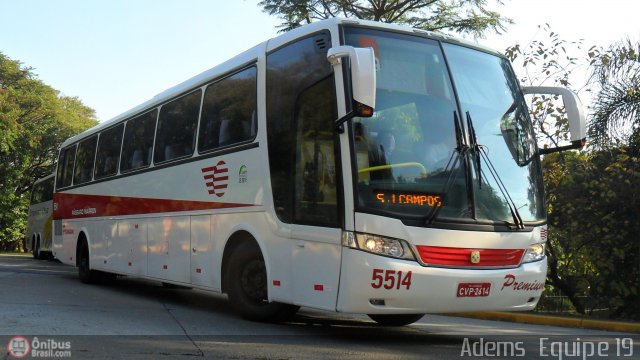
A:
(458, 155)
(475, 148)
(480, 154)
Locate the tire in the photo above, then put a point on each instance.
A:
(247, 287)
(395, 319)
(85, 273)
(36, 249)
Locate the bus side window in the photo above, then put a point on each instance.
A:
(176, 131)
(137, 159)
(42, 191)
(84, 160)
(65, 166)
(36, 194)
(229, 111)
(108, 152)
(138, 141)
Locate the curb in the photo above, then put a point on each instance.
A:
(555, 321)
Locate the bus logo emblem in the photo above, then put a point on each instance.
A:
(475, 257)
(242, 174)
(216, 178)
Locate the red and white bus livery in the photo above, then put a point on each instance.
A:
(349, 166)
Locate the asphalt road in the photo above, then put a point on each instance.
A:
(137, 319)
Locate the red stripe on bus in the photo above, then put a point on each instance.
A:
(216, 178)
(75, 206)
(216, 186)
(215, 169)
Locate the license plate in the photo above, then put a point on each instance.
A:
(473, 289)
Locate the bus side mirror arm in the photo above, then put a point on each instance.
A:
(363, 80)
(575, 114)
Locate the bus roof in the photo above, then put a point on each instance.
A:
(254, 53)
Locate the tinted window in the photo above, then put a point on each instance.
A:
(42, 191)
(47, 190)
(84, 160)
(175, 137)
(229, 111)
(138, 141)
(109, 152)
(300, 132)
(36, 194)
(315, 178)
(65, 166)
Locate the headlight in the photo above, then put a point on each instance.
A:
(376, 244)
(535, 252)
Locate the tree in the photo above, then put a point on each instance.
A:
(615, 115)
(548, 60)
(592, 198)
(34, 120)
(461, 16)
(594, 254)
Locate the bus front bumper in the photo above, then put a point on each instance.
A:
(372, 284)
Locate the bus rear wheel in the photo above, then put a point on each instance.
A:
(35, 248)
(395, 319)
(247, 287)
(85, 273)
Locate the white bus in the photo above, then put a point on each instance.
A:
(38, 237)
(349, 166)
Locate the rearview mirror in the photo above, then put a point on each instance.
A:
(363, 78)
(575, 114)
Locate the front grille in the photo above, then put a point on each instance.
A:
(462, 257)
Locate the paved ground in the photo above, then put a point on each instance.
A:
(141, 319)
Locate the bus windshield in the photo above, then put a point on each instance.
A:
(450, 140)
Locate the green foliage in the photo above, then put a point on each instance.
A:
(593, 198)
(34, 120)
(547, 60)
(594, 207)
(462, 16)
(615, 115)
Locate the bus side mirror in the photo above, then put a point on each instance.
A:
(363, 79)
(575, 114)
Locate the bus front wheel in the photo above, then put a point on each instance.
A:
(395, 319)
(247, 286)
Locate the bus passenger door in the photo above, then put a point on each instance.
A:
(301, 111)
(317, 233)
(316, 266)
